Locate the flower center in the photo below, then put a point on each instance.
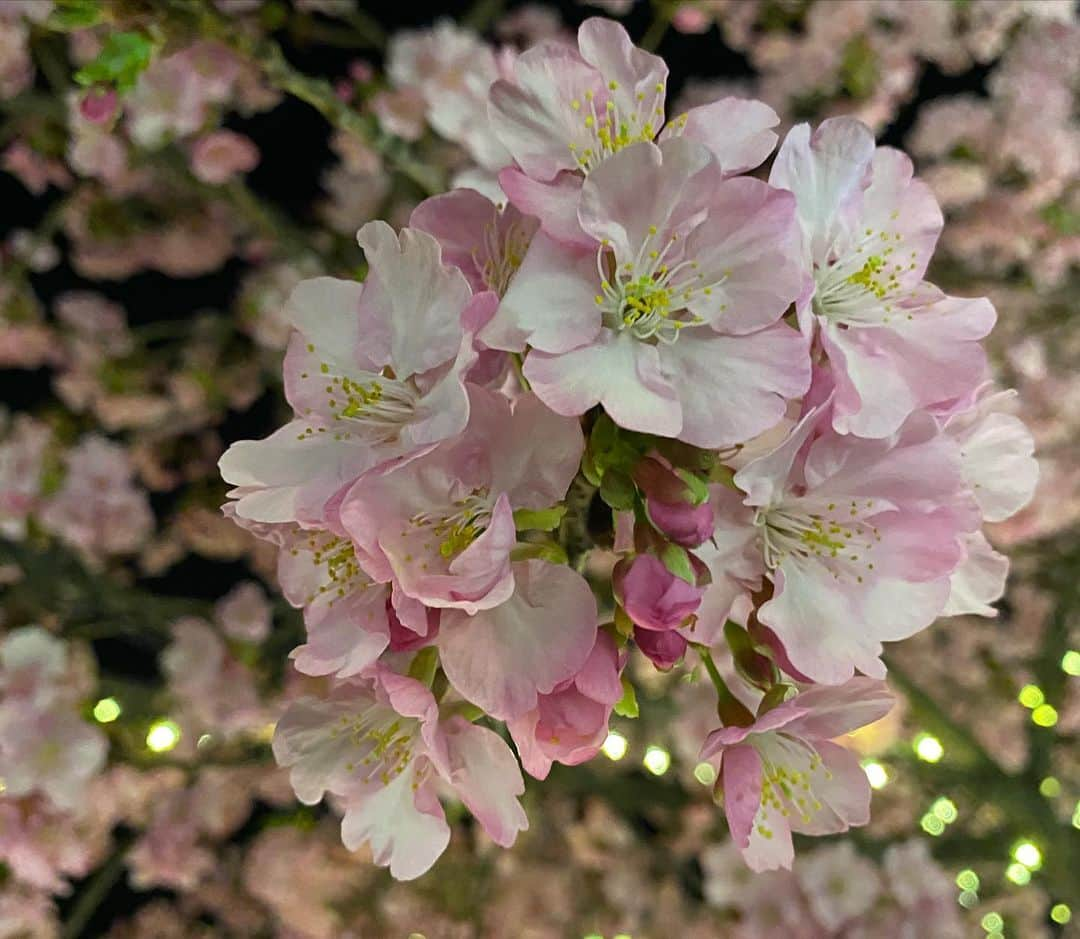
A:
(790, 766)
(606, 127)
(458, 528)
(501, 253)
(384, 742)
(862, 288)
(649, 295)
(375, 406)
(840, 537)
(341, 573)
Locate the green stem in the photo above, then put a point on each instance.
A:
(266, 55)
(94, 894)
(658, 28)
(730, 709)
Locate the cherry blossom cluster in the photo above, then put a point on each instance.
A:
(650, 401)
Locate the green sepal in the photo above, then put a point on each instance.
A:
(627, 706)
(539, 519)
(677, 560)
(123, 58)
(424, 665)
(617, 489)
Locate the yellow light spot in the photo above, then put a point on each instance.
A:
(876, 774)
(1060, 913)
(614, 746)
(1028, 854)
(932, 825)
(967, 880)
(992, 922)
(928, 748)
(657, 760)
(1050, 787)
(705, 773)
(945, 809)
(1018, 874)
(1045, 715)
(1070, 665)
(1031, 696)
(163, 735)
(968, 899)
(1076, 816)
(106, 710)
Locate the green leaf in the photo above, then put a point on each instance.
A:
(627, 706)
(69, 15)
(617, 489)
(539, 519)
(123, 58)
(677, 560)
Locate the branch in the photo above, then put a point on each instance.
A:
(266, 55)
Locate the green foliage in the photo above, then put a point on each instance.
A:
(70, 15)
(539, 519)
(122, 59)
(627, 706)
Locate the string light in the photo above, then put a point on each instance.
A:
(932, 825)
(877, 774)
(945, 809)
(1018, 874)
(1045, 715)
(1060, 913)
(705, 773)
(106, 710)
(657, 760)
(1028, 854)
(1070, 663)
(614, 746)
(1076, 816)
(992, 922)
(163, 735)
(1031, 696)
(967, 880)
(928, 748)
(1050, 787)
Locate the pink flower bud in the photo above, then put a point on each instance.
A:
(653, 597)
(219, 156)
(99, 105)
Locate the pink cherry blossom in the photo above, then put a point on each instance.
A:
(21, 454)
(504, 657)
(568, 110)
(849, 526)
(485, 242)
(570, 723)
(53, 752)
(244, 613)
(374, 372)
(894, 342)
(670, 319)
(221, 155)
(996, 458)
(441, 526)
(783, 773)
(98, 509)
(382, 747)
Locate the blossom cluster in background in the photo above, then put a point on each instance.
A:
(615, 427)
